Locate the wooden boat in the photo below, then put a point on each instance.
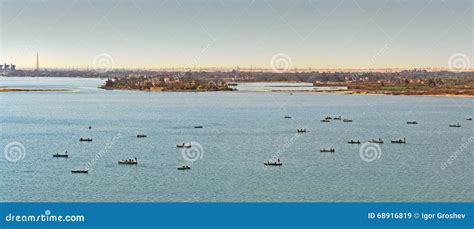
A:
(184, 167)
(141, 136)
(353, 142)
(380, 141)
(198, 127)
(85, 139)
(61, 155)
(400, 141)
(455, 125)
(301, 130)
(79, 171)
(183, 146)
(347, 120)
(128, 162)
(288, 117)
(412, 122)
(331, 150)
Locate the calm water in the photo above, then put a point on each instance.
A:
(241, 131)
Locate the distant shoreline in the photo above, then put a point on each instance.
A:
(35, 90)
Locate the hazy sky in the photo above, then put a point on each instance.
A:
(317, 33)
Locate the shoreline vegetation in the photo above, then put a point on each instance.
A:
(407, 82)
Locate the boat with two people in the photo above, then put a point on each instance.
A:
(400, 141)
(61, 155)
(141, 136)
(128, 161)
(347, 120)
(198, 127)
(184, 167)
(287, 117)
(184, 145)
(330, 150)
(455, 125)
(301, 130)
(412, 122)
(338, 118)
(353, 142)
(380, 141)
(273, 163)
(85, 139)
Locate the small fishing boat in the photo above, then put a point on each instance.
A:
(412, 122)
(198, 127)
(61, 155)
(288, 117)
(184, 167)
(85, 139)
(141, 135)
(184, 145)
(327, 117)
(400, 141)
(380, 141)
(469, 119)
(455, 125)
(330, 150)
(325, 120)
(301, 130)
(273, 163)
(79, 171)
(347, 120)
(337, 118)
(128, 162)
(353, 142)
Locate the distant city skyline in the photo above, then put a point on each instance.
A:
(357, 34)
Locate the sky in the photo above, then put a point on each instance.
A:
(219, 33)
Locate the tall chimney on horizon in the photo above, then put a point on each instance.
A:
(37, 63)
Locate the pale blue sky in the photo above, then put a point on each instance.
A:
(317, 33)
